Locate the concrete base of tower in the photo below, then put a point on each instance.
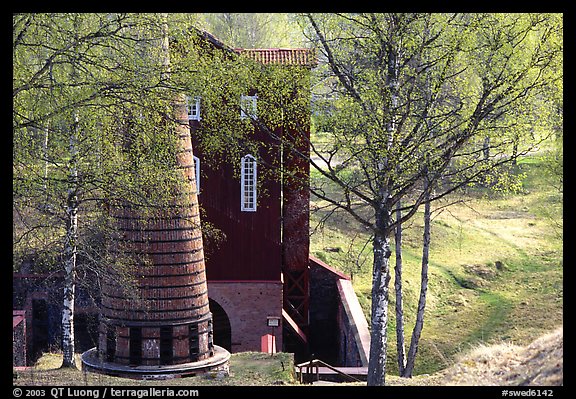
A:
(218, 363)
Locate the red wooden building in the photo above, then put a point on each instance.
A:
(258, 277)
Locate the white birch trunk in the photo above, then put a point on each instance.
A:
(381, 243)
(70, 251)
(416, 333)
(400, 345)
(379, 312)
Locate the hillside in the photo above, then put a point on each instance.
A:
(540, 363)
(495, 275)
(495, 293)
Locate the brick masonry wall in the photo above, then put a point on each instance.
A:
(248, 304)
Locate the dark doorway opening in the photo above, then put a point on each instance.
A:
(85, 331)
(166, 352)
(110, 343)
(39, 328)
(135, 346)
(222, 332)
(193, 343)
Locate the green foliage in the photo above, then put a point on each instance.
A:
(454, 96)
(254, 30)
(416, 101)
(91, 122)
(221, 78)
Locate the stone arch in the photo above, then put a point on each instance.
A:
(222, 331)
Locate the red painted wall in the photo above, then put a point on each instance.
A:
(252, 247)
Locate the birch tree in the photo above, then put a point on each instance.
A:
(85, 81)
(410, 101)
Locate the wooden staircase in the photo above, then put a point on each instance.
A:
(317, 370)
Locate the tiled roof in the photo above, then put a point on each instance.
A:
(283, 56)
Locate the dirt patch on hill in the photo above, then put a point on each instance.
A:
(540, 363)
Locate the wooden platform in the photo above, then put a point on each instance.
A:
(335, 374)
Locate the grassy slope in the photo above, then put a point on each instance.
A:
(540, 363)
(469, 299)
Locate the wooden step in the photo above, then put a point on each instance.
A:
(331, 373)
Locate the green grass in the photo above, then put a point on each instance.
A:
(470, 300)
(246, 368)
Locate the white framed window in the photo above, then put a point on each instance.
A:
(248, 106)
(197, 172)
(193, 107)
(248, 179)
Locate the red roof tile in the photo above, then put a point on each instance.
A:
(283, 56)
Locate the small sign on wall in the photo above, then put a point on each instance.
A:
(272, 321)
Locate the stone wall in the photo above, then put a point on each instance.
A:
(324, 305)
(353, 333)
(247, 305)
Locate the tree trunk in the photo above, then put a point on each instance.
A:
(381, 244)
(400, 346)
(423, 287)
(45, 155)
(379, 312)
(70, 250)
(69, 283)
(486, 148)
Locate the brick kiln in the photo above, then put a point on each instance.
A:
(167, 327)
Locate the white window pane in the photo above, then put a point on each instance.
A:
(193, 107)
(248, 181)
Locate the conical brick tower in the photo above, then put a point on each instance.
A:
(168, 329)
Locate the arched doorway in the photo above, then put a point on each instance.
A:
(222, 332)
